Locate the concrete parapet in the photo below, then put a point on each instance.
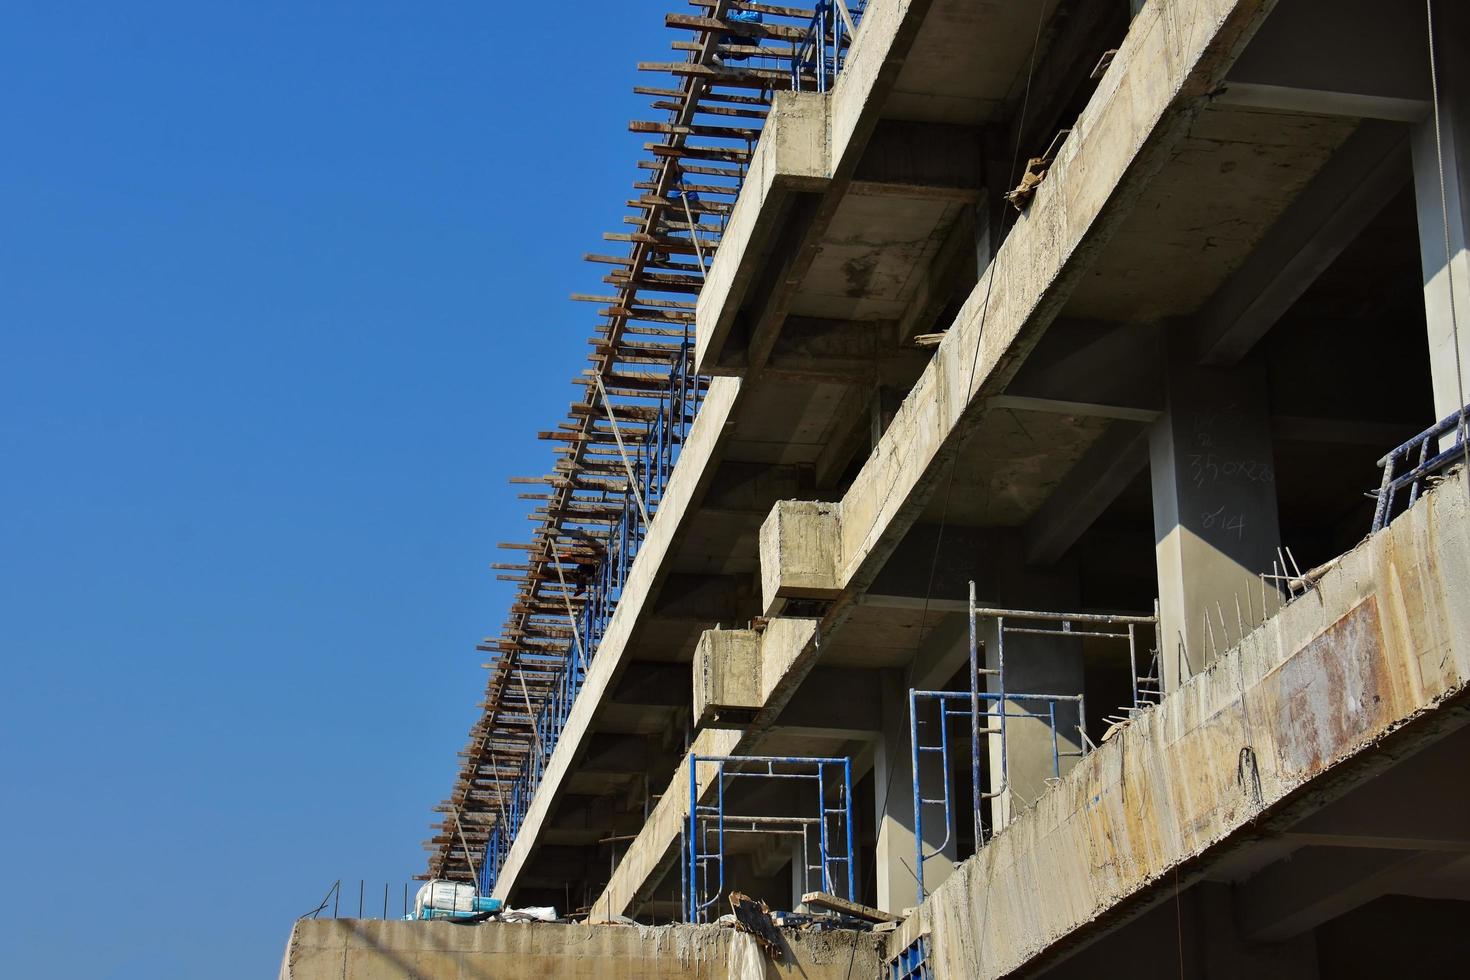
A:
(792, 156)
(1270, 732)
(799, 549)
(727, 684)
(352, 949)
(736, 672)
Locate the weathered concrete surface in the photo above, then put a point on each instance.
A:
(798, 553)
(1174, 55)
(727, 669)
(353, 949)
(1173, 58)
(790, 157)
(1272, 731)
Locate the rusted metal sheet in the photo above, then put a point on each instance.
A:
(1332, 693)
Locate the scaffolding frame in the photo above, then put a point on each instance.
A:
(702, 844)
(988, 711)
(1426, 466)
(635, 405)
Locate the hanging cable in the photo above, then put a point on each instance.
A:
(566, 597)
(468, 857)
(1461, 432)
(622, 451)
(693, 235)
(531, 717)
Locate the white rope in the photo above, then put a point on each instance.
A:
(618, 435)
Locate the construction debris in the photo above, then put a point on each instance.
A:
(754, 917)
(842, 906)
(1036, 170)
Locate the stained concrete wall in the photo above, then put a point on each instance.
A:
(352, 949)
(1270, 732)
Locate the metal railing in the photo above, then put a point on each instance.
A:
(1420, 446)
(817, 59)
(814, 61)
(654, 456)
(702, 867)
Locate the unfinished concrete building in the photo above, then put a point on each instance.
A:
(1010, 493)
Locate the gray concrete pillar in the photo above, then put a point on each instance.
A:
(1449, 155)
(1214, 497)
(1192, 933)
(895, 856)
(1036, 744)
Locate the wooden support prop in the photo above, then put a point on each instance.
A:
(824, 900)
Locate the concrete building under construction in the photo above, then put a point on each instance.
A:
(1016, 497)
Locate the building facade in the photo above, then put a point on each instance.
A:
(978, 506)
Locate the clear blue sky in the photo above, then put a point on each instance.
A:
(283, 303)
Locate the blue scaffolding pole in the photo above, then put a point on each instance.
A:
(702, 864)
(989, 711)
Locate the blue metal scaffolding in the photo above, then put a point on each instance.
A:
(990, 711)
(617, 452)
(1416, 454)
(825, 835)
(817, 59)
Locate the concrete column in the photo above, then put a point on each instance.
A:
(894, 807)
(1033, 665)
(1190, 934)
(1214, 497)
(1449, 366)
(798, 874)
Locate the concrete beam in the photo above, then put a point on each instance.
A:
(1358, 58)
(1159, 80)
(1250, 747)
(707, 598)
(950, 276)
(855, 352)
(652, 685)
(727, 669)
(736, 671)
(1354, 186)
(1319, 102)
(1097, 479)
(798, 554)
(923, 160)
(1058, 406)
(792, 157)
(841, 123)
(1316, 885)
